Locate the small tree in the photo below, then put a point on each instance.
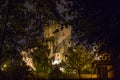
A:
(78, 58)
(40, 57)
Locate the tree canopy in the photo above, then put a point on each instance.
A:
(79, 58)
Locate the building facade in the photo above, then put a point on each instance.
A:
(58, 38)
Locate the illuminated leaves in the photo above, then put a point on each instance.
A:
(78, 57)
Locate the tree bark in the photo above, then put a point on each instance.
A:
(79, 73)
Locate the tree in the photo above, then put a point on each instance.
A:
(77, 58)
(40, 57)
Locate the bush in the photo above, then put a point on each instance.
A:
(55, 73)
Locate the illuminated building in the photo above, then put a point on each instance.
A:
(58, 39)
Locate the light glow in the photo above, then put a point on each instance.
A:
(56, 62)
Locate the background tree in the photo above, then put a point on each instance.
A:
(78, 58)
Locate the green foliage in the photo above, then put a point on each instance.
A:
(40, 58)
(78, 59)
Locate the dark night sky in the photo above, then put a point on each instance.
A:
(110, 17)
(106, 14)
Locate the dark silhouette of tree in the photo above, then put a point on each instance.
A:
(21, 23)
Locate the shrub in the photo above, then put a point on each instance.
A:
(55, 73)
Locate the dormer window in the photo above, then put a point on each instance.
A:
(57, 30)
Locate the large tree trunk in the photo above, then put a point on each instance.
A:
(4, 30)
(79, 70)
(115, 63)
(3, 35)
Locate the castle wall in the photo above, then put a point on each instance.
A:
(61, 39)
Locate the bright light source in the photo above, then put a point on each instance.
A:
(56, 62)
(4, 65)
